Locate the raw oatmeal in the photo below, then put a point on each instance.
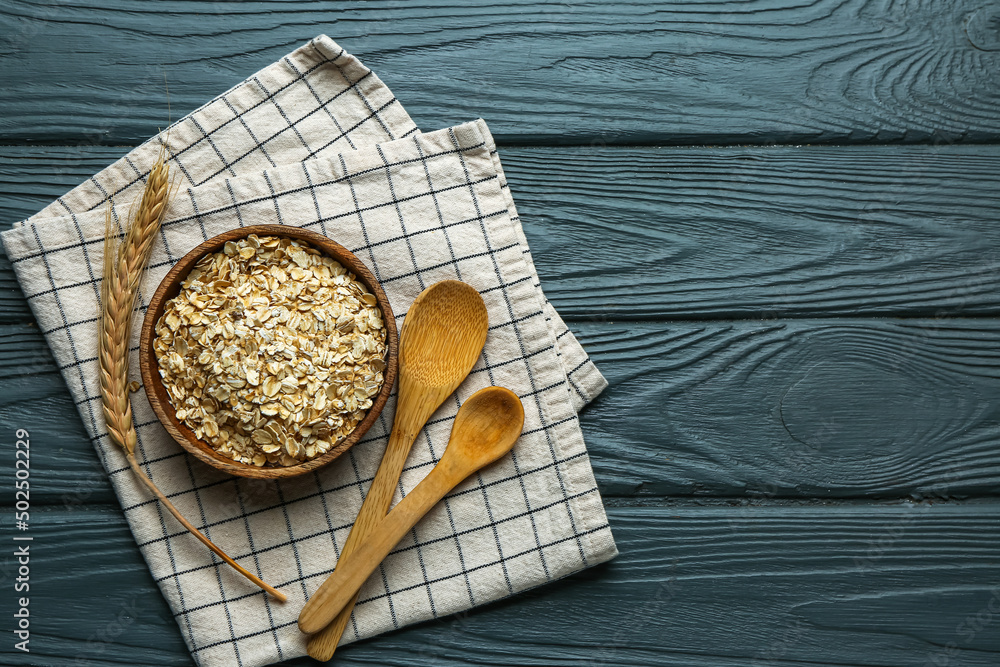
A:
(272, 352)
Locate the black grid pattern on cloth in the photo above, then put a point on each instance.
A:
(275, 197)
(569, 347)
(528, 520)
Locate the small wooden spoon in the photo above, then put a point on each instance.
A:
(443, 334)
(486, 427)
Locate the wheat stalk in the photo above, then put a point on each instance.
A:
(124, 264)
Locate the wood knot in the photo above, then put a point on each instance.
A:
(983, 28)
(862, 407)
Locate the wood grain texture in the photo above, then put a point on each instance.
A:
(758, 71)
(747, 435)
(750, 233)
(801, 408)
(703, 233)
(694, 585)
(748, 410)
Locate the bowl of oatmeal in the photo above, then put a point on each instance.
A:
(268, 351)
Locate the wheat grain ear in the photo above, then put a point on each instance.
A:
(125, 262)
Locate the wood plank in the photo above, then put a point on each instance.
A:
(796, 408)
(763, 233)
(695, 585)
(759, 71)
(706, 232)
(836, 408)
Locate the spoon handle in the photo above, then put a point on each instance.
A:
(414, 407)
(373, 510)
(354, 569)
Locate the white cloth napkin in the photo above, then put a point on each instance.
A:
(316, 140)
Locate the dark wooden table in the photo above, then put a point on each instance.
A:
(788, 268)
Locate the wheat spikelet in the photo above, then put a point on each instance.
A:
(124, 265)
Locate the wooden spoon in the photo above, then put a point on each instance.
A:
(443, 334)
(486, 427)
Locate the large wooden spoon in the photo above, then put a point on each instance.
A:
(486, 427)
(443, 335)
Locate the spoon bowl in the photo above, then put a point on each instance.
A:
(486, 427)
(442, 335)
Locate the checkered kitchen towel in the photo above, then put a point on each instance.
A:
(317, 141)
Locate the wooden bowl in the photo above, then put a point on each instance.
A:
(157, 393)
